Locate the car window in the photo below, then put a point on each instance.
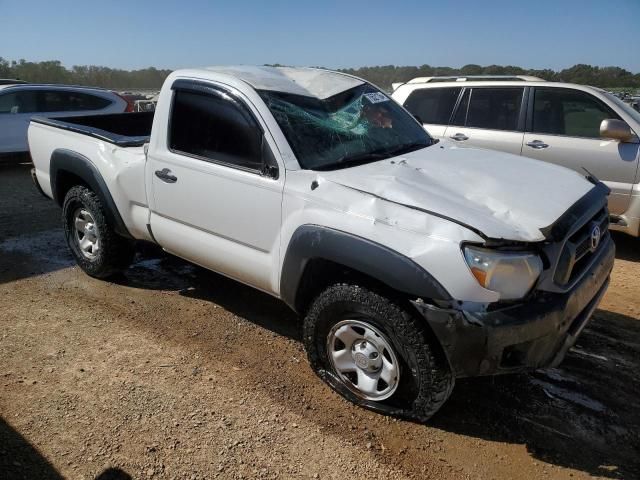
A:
(18, 102)
(460, 117)
(560, 111)
(494, 108)
(215, 128)
(432, 105)
(68, 101)
(627, 108)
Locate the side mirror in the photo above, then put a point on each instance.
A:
(615, 129)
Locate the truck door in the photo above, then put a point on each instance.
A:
(216, 185)
(564, 128)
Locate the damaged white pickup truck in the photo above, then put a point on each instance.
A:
(413, 262)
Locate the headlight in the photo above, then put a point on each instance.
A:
(511, 274)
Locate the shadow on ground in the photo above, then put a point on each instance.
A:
(19, 459)
(114, 474)
(155, 269)
(584, 414)
(627, 247)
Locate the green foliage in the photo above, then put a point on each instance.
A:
(53, 71)
(605, 77)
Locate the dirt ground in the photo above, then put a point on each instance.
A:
(175, 372)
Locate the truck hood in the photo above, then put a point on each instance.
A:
(499, 195)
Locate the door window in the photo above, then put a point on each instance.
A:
(495, 108)
(18, 102)
(460, 117)
(572, 113)
(215, 128)
(65, 101)
(432, 105)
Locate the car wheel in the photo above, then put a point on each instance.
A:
(96, 247)
(376, 353)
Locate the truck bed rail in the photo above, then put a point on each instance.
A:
(121, 129)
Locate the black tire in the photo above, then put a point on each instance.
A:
(426, 381)
(115, 252)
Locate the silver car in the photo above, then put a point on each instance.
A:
(579, 127)
(19, 102)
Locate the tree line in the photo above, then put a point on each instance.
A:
(53, 71)
(604, 77)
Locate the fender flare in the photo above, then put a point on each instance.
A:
(63, 160)
(398, 272)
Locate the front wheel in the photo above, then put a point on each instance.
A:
(96, 247)
(376, 353)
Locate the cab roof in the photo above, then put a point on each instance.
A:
(310, 82)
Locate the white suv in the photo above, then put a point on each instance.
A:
(579, 127)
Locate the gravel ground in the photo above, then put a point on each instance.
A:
(171, 371)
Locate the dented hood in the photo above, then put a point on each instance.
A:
(500, 195)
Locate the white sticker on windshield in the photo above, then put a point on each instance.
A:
(376, 97)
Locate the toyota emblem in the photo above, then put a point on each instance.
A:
(595, 237)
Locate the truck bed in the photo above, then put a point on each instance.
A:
(121, 129)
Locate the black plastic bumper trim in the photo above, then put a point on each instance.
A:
(526, 336)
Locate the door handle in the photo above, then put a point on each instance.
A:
(165, 176)
(537, 144)
(459, 137)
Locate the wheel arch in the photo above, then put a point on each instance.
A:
(318, 256)
(68, 169)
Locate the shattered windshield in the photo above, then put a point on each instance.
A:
(357, 126)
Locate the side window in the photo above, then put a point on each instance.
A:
(86, 101)
(18, 102)
(432, 105)
(561, 111)
(495, 108)
(214, 128)
(65, 101)
(460, 117)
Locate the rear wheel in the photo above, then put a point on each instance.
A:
(96, 247)
(376, 353)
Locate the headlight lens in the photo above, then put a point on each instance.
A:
(511, 274)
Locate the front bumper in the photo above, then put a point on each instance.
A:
(525, 336)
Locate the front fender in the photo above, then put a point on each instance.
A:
(370, 258)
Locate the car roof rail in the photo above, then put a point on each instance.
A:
(62, 86)
(471, 78)
(11, 81)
